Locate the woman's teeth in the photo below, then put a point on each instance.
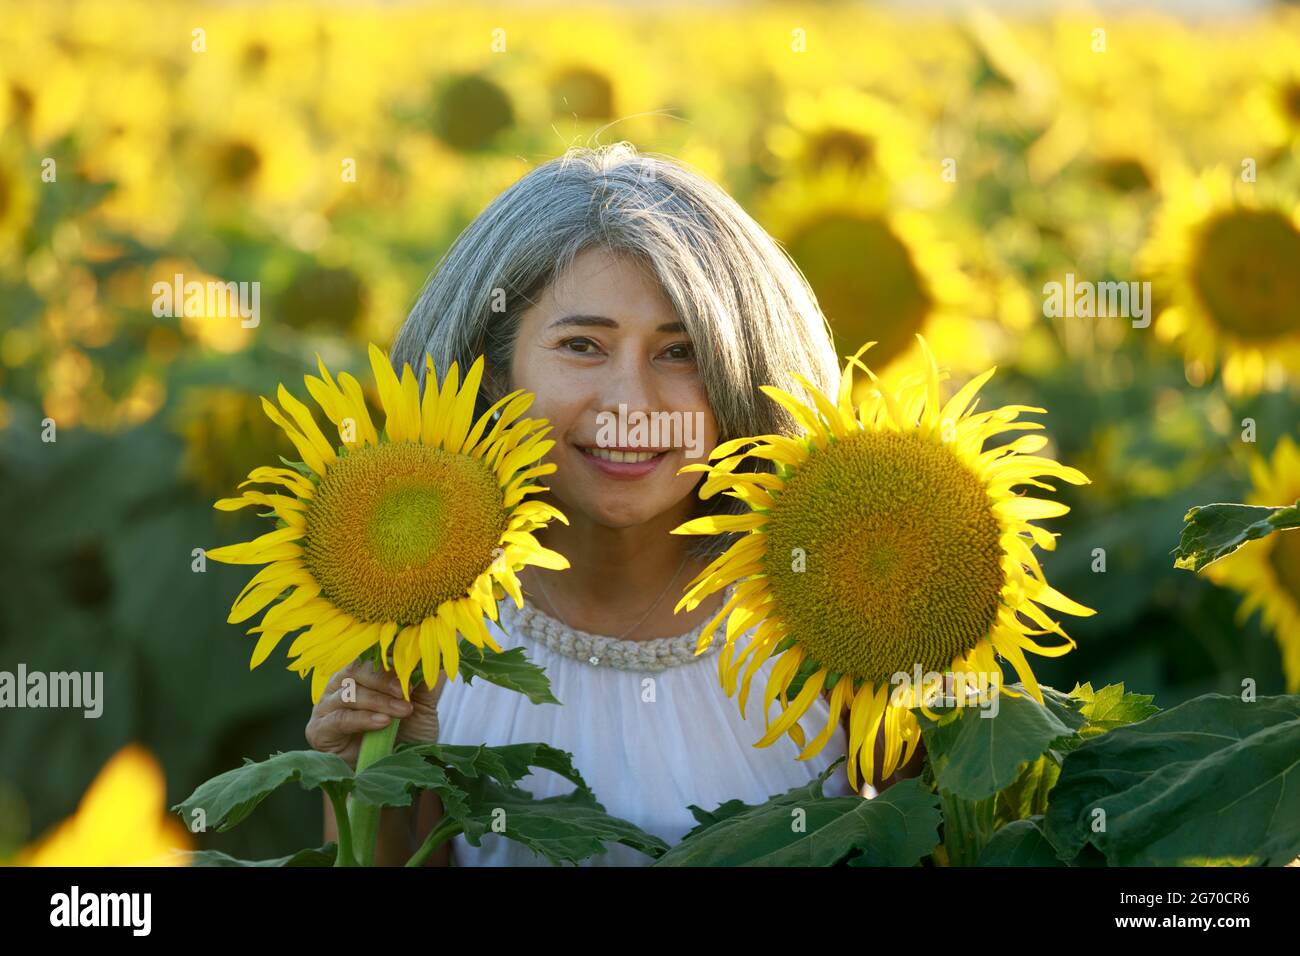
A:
(611, 454)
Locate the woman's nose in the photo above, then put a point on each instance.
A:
(631, 384)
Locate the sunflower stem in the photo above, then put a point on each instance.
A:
(967, 827)
(446, 828)
(343, 854)
(364, 817)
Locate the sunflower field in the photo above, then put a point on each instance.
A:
(1103, 205)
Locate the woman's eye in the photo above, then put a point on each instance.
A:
(583, 346)
(682, 350)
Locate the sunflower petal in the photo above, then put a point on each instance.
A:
(812, 687)
(390, 394)
(302, 417)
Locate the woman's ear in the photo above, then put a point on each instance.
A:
(493, 386)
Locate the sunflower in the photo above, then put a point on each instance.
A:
(1226, 259)
(879, 275)
(851, 574)
(583, 93)
(332, 299)
(257, 149)
(121, 821)
(1267, 571)
(846, 129)
(577, 77)
(396, 540)
(1118, 146)
(226, 435)
(1274, 105)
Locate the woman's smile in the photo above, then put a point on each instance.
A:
(623, 464)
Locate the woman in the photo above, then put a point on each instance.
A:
(611, 285)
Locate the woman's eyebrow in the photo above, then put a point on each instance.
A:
(608, 323)
(599, 320)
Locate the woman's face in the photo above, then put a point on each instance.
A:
(614, 371)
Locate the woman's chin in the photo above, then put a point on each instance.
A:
(621, 505)
(632, 516)
(623, 511)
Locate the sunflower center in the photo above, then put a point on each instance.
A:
(1245, 273)
(1285, 559)
(841, 147)
(324, 298)
(471, 112)
(237, 163)
(1122, 174)
(1291, 101)
(406, 523)
(395, 530)
(900, 557)
(865, 281)
(583, 94)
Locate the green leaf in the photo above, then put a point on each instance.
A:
(1023, 843)
(1102, 710)
(975, 754)
(1213, 780)
(812, 790)
(391, 781)
(459, 757)
(508, 669)
(321, 856)
(800, 677)
(230, 797)
(906, 829)
(1020, 843)
(707, 818)
(1110, 707)
(1028, 794)
(507, 765)
(1215, 531)
(564, 829)
(299, 466)
(803, 828)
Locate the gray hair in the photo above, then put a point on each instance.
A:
(745, 304)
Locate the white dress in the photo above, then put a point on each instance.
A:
(649, 727)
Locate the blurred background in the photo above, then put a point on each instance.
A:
(930, 170)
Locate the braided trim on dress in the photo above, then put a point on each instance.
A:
(658, 654)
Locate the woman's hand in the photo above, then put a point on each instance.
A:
(421, 726)
(368, 701)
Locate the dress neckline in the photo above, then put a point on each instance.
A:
(598, 650)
